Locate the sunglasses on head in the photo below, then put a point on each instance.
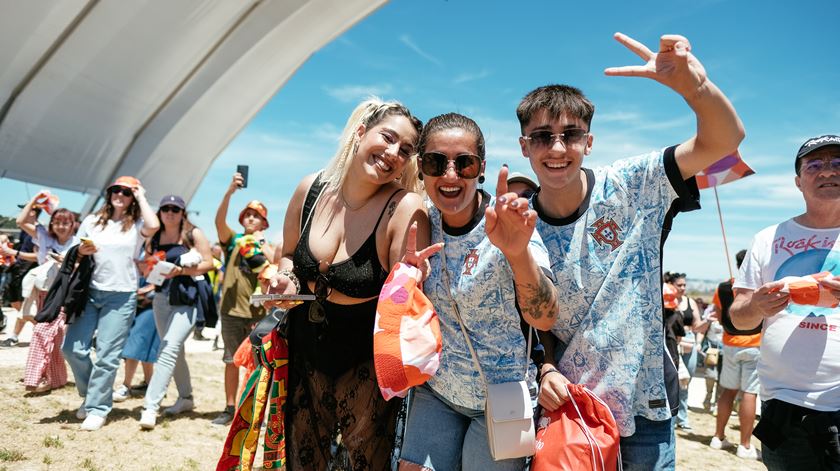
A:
(170, 209)
(317, 312)
(121, 190)
(818, 165)
(545, 139)
(435, 164)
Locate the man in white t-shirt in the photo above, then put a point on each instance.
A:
(604, 229)
(799, 367)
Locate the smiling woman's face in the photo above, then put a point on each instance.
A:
(453, 195)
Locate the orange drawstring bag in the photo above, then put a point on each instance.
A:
(581, 435)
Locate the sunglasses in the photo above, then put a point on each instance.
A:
(317, 312)
(818, 165)
(170, 209)
(435, 164)
(120, 190)
(545, 139)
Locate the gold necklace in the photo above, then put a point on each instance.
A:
(347, 205)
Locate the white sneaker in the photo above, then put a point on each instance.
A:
(121, 393)
(92, 423)
(183, 404)
(148, 418)
(718, 444)
(746, 453)
(81, 413)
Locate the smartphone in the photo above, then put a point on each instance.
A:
(258, 298)
(243, 170)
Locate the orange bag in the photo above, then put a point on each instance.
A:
(406, 334)
(580, 435)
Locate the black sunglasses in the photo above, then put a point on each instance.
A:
(434, 164)
(545, 139)
(120, 190)
(170, 209)
(317, 312)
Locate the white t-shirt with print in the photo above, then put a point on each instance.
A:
(47, 243)
(116, 250)
(800, 346)
(482, 285)
(606, 260)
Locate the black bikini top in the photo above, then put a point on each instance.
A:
(360, 276)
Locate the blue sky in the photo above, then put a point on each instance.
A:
(777, 61)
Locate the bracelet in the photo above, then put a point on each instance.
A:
(290, 275)
(545, 373)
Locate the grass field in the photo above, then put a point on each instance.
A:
(40, 432)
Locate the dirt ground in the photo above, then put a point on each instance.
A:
(40, 432)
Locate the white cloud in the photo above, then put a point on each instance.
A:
(353, 93)
(470, 76)
(406, 39)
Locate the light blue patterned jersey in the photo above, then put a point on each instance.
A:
(482, 286)
(607, 268)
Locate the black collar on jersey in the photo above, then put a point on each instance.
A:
(584, 205)
(465, 229)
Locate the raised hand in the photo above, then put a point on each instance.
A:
(673, 66)
(419, 260)
(236, 183)
(509, 223)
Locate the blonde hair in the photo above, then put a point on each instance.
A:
(369, 113)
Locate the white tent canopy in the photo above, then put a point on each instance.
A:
(94, 89)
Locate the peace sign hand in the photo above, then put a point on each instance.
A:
(509, 223)
(419, 260)
(673, 66)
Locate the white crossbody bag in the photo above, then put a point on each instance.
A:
(507, 410)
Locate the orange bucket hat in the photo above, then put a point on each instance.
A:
(257, 206)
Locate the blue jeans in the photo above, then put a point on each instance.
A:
(174, 324)
(651, 448)
(442, 436)
(690, 360)
(109, 314)
(794, 453)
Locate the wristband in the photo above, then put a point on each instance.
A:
(290, 275)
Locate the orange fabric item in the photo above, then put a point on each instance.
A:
(807, 290)
(742, 340)
(257, 206)
(244, 358)
(737, 340)
(128, 182)
(580, 435)
(406, 334)
(669, 296)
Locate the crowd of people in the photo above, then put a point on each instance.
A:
(568, 265)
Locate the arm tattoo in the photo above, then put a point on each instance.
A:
(392, 206)
(537, 299)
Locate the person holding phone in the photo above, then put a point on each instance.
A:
(246, 253)
(345, 227)
(45, 369)
(175, 305)
(117, 231)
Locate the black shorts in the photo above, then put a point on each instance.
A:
(14, 290)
